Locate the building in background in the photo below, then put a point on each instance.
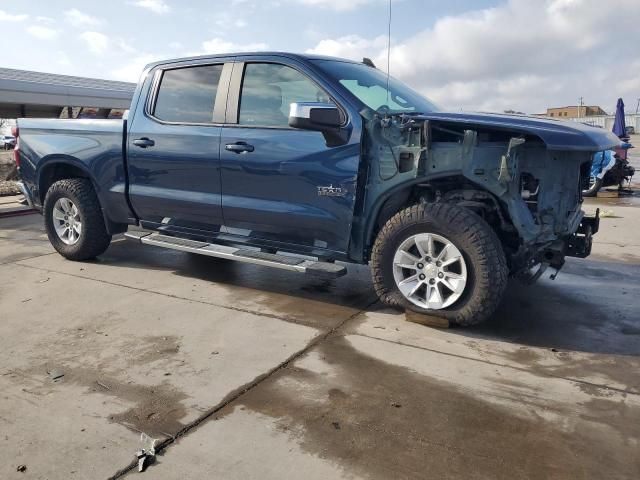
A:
(27, 94)
(575, 111)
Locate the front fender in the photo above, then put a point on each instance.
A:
(364, 225)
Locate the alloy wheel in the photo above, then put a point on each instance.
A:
(430, 271)
(67, 221)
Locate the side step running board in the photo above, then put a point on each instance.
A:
(284, 262)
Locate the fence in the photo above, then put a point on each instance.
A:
(606, 121)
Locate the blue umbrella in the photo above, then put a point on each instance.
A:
(619, 128)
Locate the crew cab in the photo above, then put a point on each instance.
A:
(299, 161)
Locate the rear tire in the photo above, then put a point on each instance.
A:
(481, 266)
(89, 238)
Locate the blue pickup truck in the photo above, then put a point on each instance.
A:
(298, 161)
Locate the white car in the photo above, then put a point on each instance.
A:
(7, 141)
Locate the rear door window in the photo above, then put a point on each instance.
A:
(187, 95)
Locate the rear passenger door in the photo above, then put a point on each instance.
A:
(174, 148)
(274, 177)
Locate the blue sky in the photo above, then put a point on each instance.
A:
(481, 54)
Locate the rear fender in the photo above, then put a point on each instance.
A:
(57, 167)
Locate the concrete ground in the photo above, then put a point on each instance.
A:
(244, 372)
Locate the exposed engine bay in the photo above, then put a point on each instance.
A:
(529, 194)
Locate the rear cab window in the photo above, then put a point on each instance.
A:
(187, 95)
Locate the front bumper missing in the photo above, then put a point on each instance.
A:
(579, 244)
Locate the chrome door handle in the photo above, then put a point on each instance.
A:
(144, 142)
(239, 147)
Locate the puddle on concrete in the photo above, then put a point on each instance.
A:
(90, 357)
(382, 421)
(583, 311)
(157, 409)
(624, 200)
(100, 342)
(301, 299)
(617, 369)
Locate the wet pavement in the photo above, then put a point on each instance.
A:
(247, 372)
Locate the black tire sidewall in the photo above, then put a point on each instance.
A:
(93, 237)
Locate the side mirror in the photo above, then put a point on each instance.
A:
(319, 117)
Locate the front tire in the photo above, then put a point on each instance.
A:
(441, 260)
(73, 220)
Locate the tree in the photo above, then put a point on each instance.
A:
(5, 123)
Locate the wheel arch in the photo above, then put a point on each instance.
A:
(59, 167)
(403, 195)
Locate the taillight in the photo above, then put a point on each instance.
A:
(15, 131)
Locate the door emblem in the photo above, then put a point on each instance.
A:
(332, 191)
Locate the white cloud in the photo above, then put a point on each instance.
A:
(97, 42)
(78, 19)
(340, 5)
(8, 17)
(350, 46)
(156, 6)
(217, 45)
(125, 46)
(43, 33)
(63, 59)
(130, 71)
(522, 55)
(228, 20)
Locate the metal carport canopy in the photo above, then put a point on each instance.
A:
(22, 90)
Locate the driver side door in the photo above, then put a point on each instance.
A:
(279, 184)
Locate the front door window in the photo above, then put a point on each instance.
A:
(268, 89)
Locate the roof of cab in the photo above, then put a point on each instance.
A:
(296, 56)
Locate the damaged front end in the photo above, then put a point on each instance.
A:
(529, 193)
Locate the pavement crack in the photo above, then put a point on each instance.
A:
(239, 392)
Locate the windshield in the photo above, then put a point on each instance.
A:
(369, 85)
